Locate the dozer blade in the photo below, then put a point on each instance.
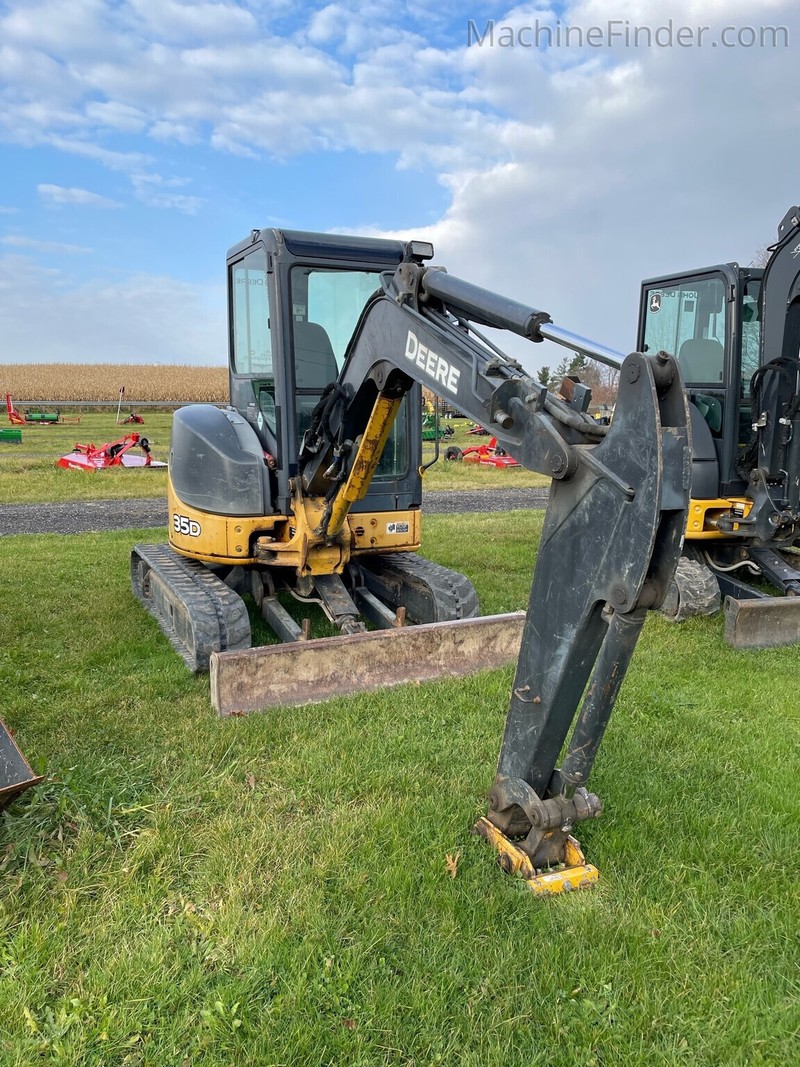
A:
(763, 622)
(307, 672)
(15, 773)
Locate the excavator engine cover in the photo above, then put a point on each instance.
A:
(217, 462)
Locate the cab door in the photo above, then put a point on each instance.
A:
(693, 317)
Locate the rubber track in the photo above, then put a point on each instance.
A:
(206, 616)
(693, 591)
(430, 592)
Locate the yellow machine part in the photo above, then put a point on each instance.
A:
(366, 460)
(288, 541)
(575, 873)
(701, 523)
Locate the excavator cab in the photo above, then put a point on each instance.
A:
(295, 300)
(710, 320)
(735, 332)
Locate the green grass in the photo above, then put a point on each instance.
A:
(273, 889)
(28, 473)
(444, 475)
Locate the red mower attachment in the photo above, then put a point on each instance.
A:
(115, 454)
(490, 455)
(14, 416)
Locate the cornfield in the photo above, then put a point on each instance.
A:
(103, 381)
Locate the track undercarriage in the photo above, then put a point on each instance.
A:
(202, 611)
(757, 585)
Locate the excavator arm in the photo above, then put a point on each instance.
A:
(415, 329)
(611, 539)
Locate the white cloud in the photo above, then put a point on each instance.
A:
(54, 26)
(51, 247)
(642, 165)
(153, 190)
(116, 116)
(571, 172)
(57, 194)
(180, 132)
(46, 316)
(175, 21)
(111, 158)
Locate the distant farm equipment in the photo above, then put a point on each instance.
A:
(432, 428)
(36, 418)
(491, 455)
(133, 419)
(113, 454)
(11, 436)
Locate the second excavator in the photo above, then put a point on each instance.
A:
(736, 333)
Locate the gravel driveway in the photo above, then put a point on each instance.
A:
(88, 516)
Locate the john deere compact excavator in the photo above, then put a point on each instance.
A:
(736, 334)
(308, 488)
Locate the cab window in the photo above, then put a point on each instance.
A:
(751, 332)
(326, 307)
(688, 320)
(251, 347)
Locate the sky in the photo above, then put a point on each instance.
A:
(557, 154)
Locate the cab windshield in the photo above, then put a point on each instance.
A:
(326, 307)
(689, 320)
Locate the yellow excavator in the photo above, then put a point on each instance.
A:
(307, 490)
(736, 333)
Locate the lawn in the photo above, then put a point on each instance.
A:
(28, 473)
(275, 889)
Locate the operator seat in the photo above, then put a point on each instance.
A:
(314, 361)
(314, 367)
(702, 359)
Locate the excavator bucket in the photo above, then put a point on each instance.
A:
(253, 679)
(763, 622)
(15, 772)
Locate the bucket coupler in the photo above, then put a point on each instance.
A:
(610, 544)
(15, 773)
